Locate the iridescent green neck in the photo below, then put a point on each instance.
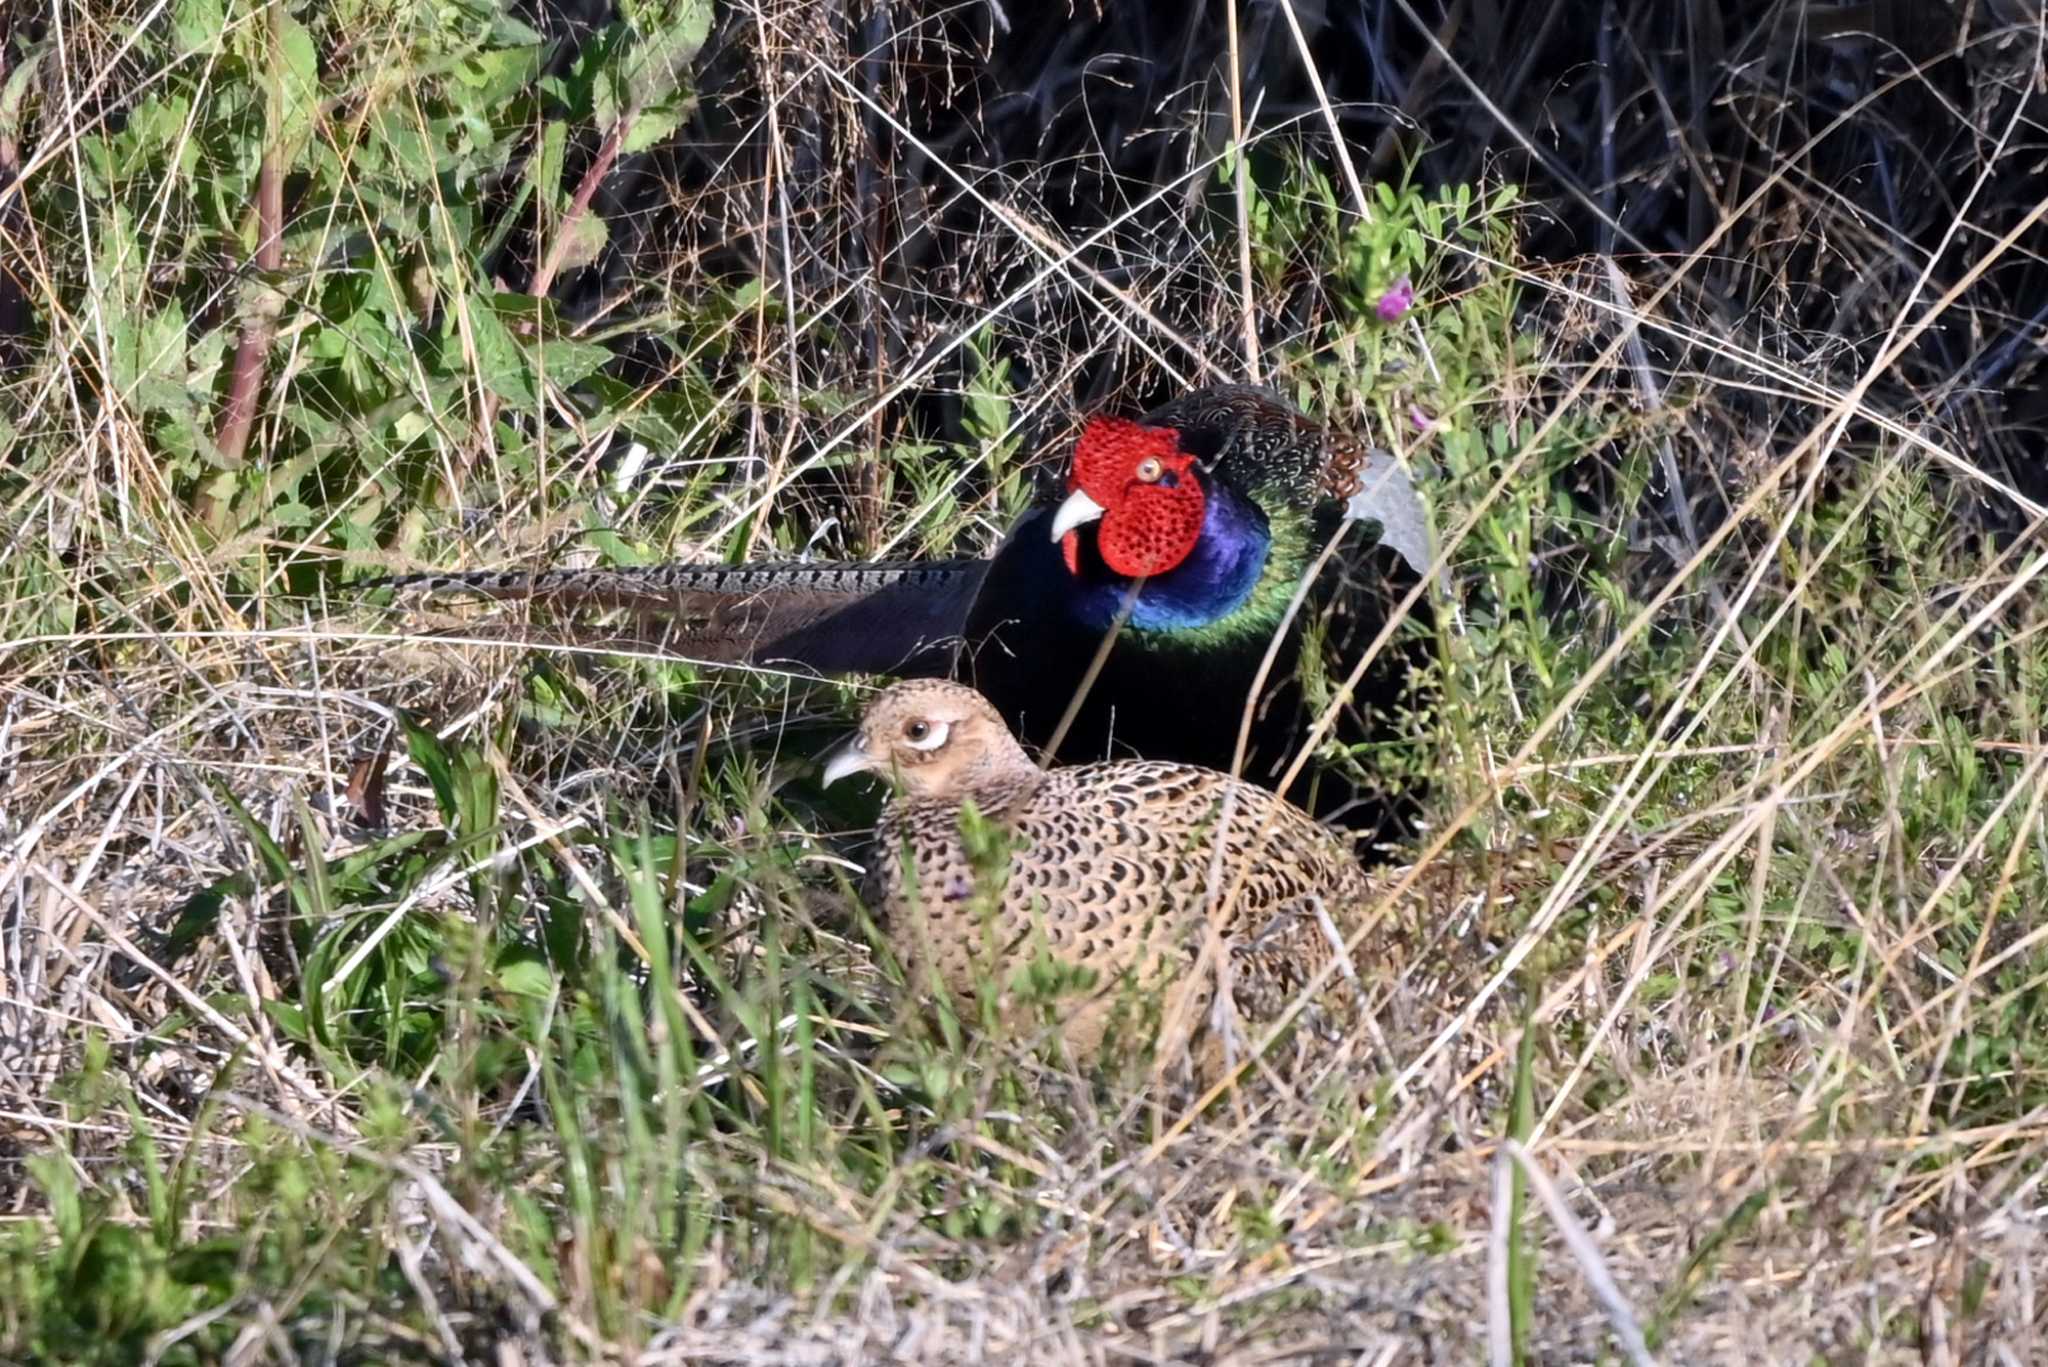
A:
(1290, 552)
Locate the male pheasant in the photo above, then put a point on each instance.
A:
(1112, 868)
(1188, 531)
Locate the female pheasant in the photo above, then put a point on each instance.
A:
(1124, 869)
(1185, 534)
(1113, 868)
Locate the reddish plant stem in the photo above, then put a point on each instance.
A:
(579, 205)
(238, 413)
(245, 381)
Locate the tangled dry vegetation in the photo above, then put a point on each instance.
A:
(371, 991)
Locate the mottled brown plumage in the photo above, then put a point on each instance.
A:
(1117, 868)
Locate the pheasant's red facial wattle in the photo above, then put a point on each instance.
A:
(1151, 500)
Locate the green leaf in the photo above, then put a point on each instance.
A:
(586, 241)
(52, 1172)
(12, 92)
(496, 76)
(544, 170)
(645, 76)
(198, 914)
(352, 870)
(477, 795)
(526, 974)
(509, 30)
(152, 362)
(275, 862)
(412, 159)
(987, 400)
(566, 362)
(298, 76)
(156, 126)
(661, 60)
(427, 752)
(650, 127)
(197, 26)
(500, 363)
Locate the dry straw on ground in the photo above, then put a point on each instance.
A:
(1748, 579)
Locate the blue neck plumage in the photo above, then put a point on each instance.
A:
(1215, 580)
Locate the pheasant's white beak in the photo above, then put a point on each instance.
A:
(1078, 511)
(847, 760)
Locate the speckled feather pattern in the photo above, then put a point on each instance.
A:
(1111, 869)
(1258, 440)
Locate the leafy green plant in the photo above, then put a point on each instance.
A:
(418, 145)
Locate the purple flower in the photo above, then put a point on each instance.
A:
(1423, 422)
(1399, 298)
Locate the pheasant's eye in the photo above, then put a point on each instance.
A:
(924, 735)
(1151, 470)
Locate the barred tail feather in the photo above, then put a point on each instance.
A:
(883, 617)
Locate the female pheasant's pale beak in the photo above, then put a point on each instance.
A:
(849, 759)
(1078, 511)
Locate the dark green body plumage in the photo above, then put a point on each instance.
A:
(1181, 694)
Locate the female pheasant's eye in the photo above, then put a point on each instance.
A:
(1151, 470)
(924, 735)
